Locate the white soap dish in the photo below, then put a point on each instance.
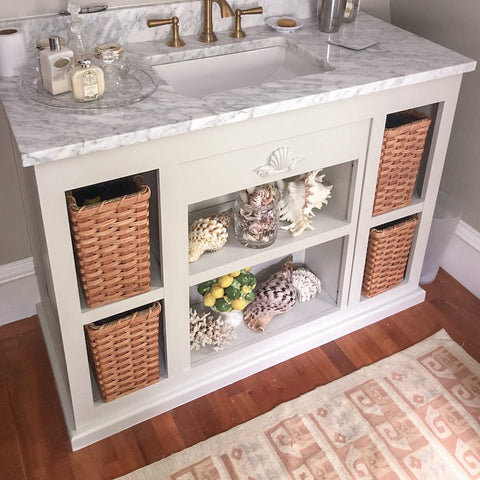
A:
(273, 22)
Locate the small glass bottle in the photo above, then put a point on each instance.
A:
(87, 81)
(116, 50)
(111, 71)
(256, 217)
(55, 64)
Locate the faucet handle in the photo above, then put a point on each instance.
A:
(175, 41)
(237, 32)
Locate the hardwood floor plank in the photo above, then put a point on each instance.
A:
(11, 466)
(34, 443)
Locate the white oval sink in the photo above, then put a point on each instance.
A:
(203, 76)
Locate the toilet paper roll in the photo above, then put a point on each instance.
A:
(13, 52)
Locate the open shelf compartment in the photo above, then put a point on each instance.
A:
(150, 178)
(112, 365)
(325, 260)
(332, 221)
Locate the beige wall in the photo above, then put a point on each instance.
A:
(24, 8)
(14, 243)
(454, 25)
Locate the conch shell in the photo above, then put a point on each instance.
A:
(208, 235)
(276, 295)
(298, 199)
(306, 284)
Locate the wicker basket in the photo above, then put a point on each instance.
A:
(111, 239)
(124, 353)
(402, 149)
(387, 256)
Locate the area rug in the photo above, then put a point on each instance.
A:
(414, 415)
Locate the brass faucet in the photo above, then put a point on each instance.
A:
(208, 35)
(175, 41)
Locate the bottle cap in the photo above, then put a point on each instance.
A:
(54, 43)
(114, 48)
(43, 43)
(84, 62)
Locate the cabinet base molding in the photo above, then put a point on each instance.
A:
(201, 381)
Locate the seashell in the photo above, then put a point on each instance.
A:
(261, 195)
(276, 295)
(208, 235)
(280, 160)
(299, 197)
(306, 284)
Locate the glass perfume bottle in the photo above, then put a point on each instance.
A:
(76, 41)
(87, 81)
(110, 56)
(55, 64)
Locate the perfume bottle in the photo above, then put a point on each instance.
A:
(55, 64)
(76, 41)
(87, 81)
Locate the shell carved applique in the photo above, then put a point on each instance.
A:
(280, 160)
(299, 197)
(276, 295)
(208, 235)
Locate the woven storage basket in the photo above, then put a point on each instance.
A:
(111, 240)
(387, 256)
(402, 149)
(124, 353)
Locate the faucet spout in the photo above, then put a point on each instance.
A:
(208, 35)
(225, 9)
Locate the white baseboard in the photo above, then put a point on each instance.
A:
(462, 259)
(18, 291)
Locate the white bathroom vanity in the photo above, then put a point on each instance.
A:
(196, 153)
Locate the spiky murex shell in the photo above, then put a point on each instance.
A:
(298, 199)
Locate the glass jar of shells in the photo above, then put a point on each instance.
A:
(256, 216)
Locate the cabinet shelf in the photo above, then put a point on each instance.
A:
(415, 207)
(234, 256)
(299, 315)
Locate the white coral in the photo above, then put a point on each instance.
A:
(207, 329)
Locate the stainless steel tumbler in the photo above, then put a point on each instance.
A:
(330, 14)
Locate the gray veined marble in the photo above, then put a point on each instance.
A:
(45, 134)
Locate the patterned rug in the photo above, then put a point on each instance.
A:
(414, 415)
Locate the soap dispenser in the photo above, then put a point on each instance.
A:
(87, 81)
(55, 64)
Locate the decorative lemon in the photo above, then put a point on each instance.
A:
(239, 304)
(225, 281)
(209, 300)
(235, 274)
(245, 289)
(217, 291)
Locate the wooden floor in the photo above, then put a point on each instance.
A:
(34, 442)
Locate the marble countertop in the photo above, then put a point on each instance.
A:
(400, 58)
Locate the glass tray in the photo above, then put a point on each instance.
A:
(138, 83)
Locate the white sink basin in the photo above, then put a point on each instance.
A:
(203, 76)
